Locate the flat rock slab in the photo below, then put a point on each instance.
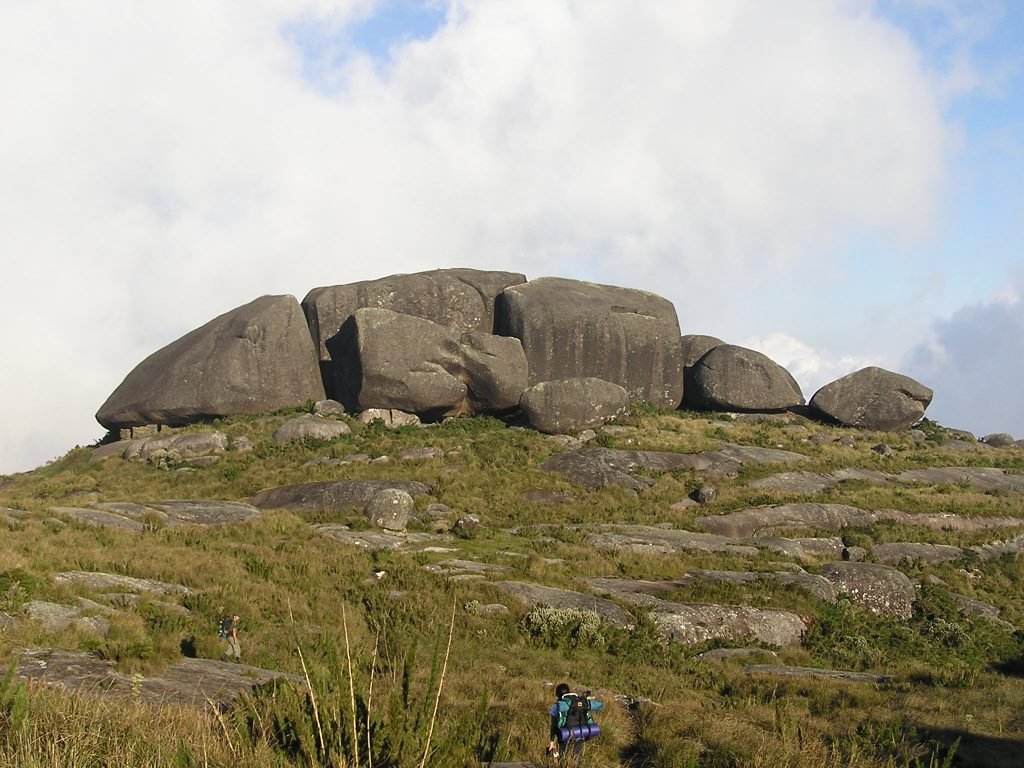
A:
(813, 548)
(55, 617)
(778, 670)
(775, 519)
(976, 478)
(894, 553)
(457, 567)
(536, 595)
(207, 512)
(100, 580)
(376, 539)
(98, 518)
(816, 482)
(663, 541)
(818, 586)
(997, 549)
(596, 468)
(331, 496)
(879, 588)
(726, 654)
(195, 683)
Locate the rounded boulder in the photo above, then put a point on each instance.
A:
(873, 398)
(572, 405)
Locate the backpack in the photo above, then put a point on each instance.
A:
(225, 627)
(576, 724)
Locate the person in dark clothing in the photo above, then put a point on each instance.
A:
(571, 725)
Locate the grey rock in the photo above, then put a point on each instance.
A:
(894, 553)
(328, 408)
(767, 521)
(873, 398)
(390, 509)
(459, 299)
(705, 494)
(7, 623)
(642, 539)
(331, 495)
(437, 510)
(98, 518)
(206, 511)
(977, 478)
(696, 624)
(573, 405)
(854, 554)
(421, 454)
(847, 442)
(972, 607)
(376, 539)
(253, 359)
(186, 445)
(727, 654)
(816, 482)
(626, 589)
(389, 417)
(694, 346)
(309, 426)
(570, 328)
(882, 449)
(777, 670)
(879, 588)
(397, 361)
(193, 683)
(243, 444)
(999, 440)
(534, 594)
(103, 581)
(803, 548)
(997, 549)
(466, 524)
(732, 378)
(55, 617)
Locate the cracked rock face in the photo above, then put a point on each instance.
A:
(571, 328)
(253, 359)
(572, 405)
(873, 398)
(879, 588)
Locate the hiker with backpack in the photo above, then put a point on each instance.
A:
(229, 633)
(572, 724)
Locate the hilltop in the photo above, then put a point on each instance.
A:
(741, 589)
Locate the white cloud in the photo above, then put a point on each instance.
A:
(811, 368)
(162, 163)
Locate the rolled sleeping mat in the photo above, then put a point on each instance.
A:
(580, 732)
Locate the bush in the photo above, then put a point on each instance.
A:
(564, 628)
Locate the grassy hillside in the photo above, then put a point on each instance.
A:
(376, 647)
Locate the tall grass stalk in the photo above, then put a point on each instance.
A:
(369, 700)
(351, 686)
(440, 685)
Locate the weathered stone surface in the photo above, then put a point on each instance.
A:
(694, 346)
(997, 549)
(378, 539)
(384, 359)
(732, 378)
(537, 595)
(778, 670)
(98, 518)
(804, 548)
(7, 623)
(999, 440)
(976, 478)
(311, 426)
(99, 580)
(570, 328)
(207, 511)
(972, 607)
(602, 467)
(879, 588)
(726, 654)
(573, 405)
(194, 683)
(389, 417)
(328, 408)
(873, 398)
(774, 519)
(894, 553)
(331, 495)
(817, 586)
(186, 445)
(421, 454)
(390, 509)
(253, 359)
(546, 496)
(55, 617)
(459, 299)
(643, 539)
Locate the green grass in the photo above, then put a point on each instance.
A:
(952, 674)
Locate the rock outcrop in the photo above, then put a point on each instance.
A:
(331, 495)
(253, 359)
(879, 588)
(873, 398)
(572, 405)
(388, 360)
(459, 299)
(732, 378)
(570, 328)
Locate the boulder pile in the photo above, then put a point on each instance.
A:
(566, 354)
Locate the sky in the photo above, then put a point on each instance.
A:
(836, 183)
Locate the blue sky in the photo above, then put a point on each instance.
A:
(834, 182)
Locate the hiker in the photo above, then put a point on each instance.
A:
(229, 631)
(572, 724)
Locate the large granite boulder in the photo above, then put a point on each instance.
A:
(331, 496)
(873, 398)
(572, 405)
(459, 299)
(732, 378)
(693, 346)
(253, 359)
(389, 360)
(570, 328)
(309, 426)
(879, 588)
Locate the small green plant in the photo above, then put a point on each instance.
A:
(565, 628)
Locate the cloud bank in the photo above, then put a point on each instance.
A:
(162, 163)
